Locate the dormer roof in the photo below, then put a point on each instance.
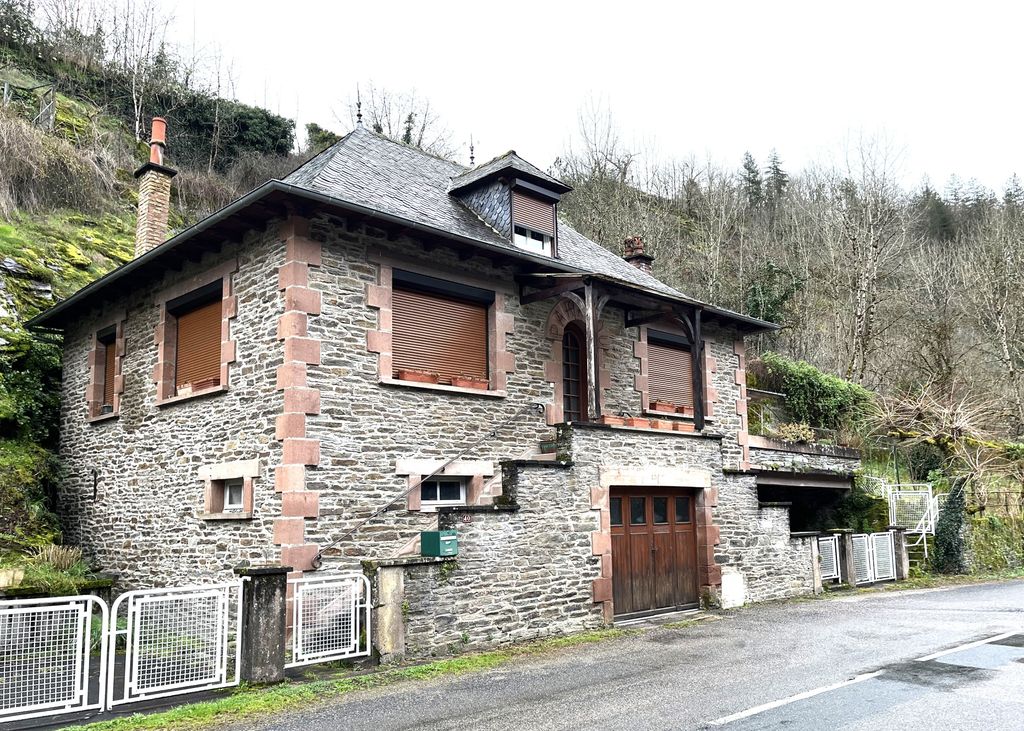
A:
(509, 165)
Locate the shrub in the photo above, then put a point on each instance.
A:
(794, 432)
(950, 546)
(815, 398)
(61, 558)
(995, 543)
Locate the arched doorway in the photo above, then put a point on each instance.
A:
(574, 374)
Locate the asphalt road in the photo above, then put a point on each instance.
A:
(762, 667)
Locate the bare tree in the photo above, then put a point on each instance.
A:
(138, 31)
(405, 117)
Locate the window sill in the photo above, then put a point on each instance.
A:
(102, 417)
(674, 415)
(225, 516)
(433, 508)
(444, 388)
(198, 394)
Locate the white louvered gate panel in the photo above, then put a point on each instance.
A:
(330, 618)
(862, 562)
(174, 641)
(884, 551)
(47, 661)
(828, 551)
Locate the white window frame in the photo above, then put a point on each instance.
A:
(528, 241)
(431, 506)
(238, 507)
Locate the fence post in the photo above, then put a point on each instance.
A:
(846, 565)
(264, 622)
(902, 558)
(816, 585)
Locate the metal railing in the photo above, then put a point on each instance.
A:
(46, 656)
(176, 640)
(828, 552)
(330, 618)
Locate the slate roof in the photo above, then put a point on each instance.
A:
(376, 172)
(503, 162)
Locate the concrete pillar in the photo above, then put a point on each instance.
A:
(390, 615)
(846, 570)
(899, 541)
(816, 582)
(264, 619)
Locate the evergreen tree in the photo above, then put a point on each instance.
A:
(937, 219)
(1013, 197)
(750, 179)
(776, 180)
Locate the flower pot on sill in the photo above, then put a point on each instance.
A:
(470, 382)
(684, 410)
(663, 406)
(184, 389)
(661, 424)
(410, 374)
(638, 422)
(612, 420)
(684, 427)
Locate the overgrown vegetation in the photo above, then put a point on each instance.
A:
(950, 540)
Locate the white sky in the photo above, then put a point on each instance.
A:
(941, 81)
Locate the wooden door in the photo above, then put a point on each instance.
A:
(654, 549)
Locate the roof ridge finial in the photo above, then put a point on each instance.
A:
(472, 153)
(359, 107)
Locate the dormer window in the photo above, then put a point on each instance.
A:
(533, 241)
(533, 222)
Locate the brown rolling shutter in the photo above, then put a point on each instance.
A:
(670, 374)
(439, 335)
(532, 213)
(198, 352)
(109, 351)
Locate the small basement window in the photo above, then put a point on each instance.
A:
(233, 491)
(441, 492)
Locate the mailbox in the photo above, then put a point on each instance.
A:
(439, 543)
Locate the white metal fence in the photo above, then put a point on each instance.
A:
(828, 551)
(874, 557)
(46, 656)
(176, 640)
(330, 618)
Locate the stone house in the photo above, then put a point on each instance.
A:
(386, 342)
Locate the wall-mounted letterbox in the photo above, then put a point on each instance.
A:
(439, 543)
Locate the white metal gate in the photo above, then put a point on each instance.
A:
(828, 552)
(176, 640)
(330, 618)
(46, 656)
(874, 557)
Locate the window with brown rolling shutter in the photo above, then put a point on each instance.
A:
(533, 213)
(669, 373)
(197, 356)
(438, 334)
(109, 351)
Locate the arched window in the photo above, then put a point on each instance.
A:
(574, 375)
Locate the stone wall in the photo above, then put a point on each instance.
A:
(520, 574)
(754, 541)
(775, 454)
(133, 495)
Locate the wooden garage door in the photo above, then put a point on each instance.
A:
(654, 549)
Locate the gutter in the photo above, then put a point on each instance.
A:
(272, 186)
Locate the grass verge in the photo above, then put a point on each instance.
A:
(247, 703)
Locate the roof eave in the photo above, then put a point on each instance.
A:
(48, 317)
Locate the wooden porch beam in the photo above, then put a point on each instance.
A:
(592, 314)
(642, 317)
(568, 285)
(697, 354)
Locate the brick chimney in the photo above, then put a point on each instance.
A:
(635, 254)
(154, 193)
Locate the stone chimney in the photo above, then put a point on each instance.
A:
(154, 193)
(635, 254)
